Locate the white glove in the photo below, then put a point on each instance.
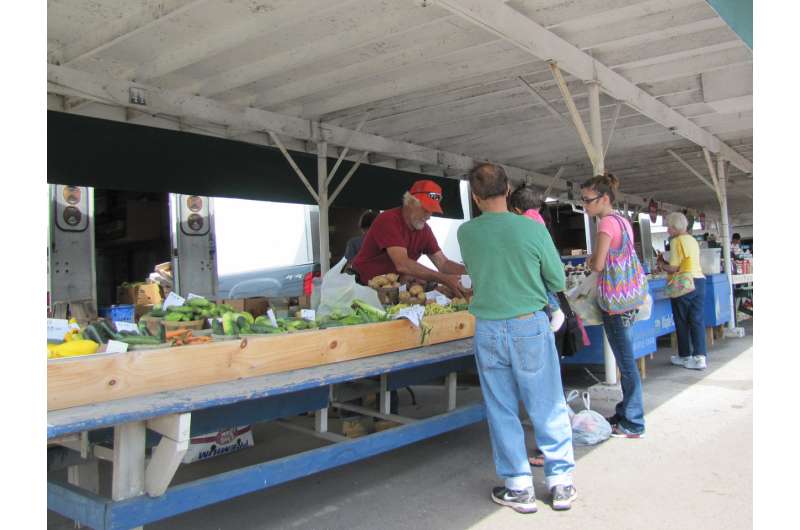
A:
(557, 320)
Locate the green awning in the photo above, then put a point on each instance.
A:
(107, 154)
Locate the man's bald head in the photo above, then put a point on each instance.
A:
(488, 180)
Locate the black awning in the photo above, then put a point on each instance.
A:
(106, 154)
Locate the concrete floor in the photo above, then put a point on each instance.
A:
(693, 470)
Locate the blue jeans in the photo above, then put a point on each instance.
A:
(687, 310)
(619, 330)
(517, 360)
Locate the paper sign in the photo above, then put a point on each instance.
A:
(126, 326)
(271, 316)
(191, 296)
(442, 299)
(173, 300)
(431, 295)
(466, 281)
(308, 314)
(403, 288)
(414, 314)
(116, 346)
(57, 328)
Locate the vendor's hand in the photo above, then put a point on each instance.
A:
(453, 282)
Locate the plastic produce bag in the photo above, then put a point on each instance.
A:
(338, 290)
(646, 309)
(588, 426)
(583, 300)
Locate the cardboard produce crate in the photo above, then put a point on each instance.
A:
(142, 294)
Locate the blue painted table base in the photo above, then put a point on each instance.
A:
(100, 513)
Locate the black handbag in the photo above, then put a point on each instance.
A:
(569, 338)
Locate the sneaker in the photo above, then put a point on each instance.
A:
(696, 362)
(614, 420)
(618, 431)
(677, 360)
(523, 501)
(563, 496)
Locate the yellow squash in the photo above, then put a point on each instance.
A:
(72, 348)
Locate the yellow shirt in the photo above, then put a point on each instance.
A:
(684, 252)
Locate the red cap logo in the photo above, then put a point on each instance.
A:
(429, 195)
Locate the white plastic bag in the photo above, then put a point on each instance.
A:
(583, 301)
(646, 309)
(338, 291)
(588, 426)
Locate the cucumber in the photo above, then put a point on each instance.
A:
(91, 333)
(158, 313)
(105, 328)
(140, 340)
(216, 327)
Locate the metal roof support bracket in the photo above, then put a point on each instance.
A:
(596, 123)
(617, 110)
(294, 165)
(574, 114)
(693, 171)
(347, 148)
(347, 177)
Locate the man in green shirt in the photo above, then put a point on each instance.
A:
(513, 262)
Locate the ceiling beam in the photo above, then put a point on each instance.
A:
(115, 92)
(121, 29)
(503, 20)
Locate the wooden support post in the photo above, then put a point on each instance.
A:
(175, 432)
(642, 364)
(385, 405)
(129, 463)
(709, 337)
(451, 385)
(321, 420)
(673, 341)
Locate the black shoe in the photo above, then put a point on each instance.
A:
(614, 420)
(523, 501)
(563, 496)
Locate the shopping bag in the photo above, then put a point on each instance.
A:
(645, 310)
(583, 301)
(338, 290)
(588, 426)
(679, 284)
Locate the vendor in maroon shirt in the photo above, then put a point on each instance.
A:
(398, 237)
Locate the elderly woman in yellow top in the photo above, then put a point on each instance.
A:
(687, 309)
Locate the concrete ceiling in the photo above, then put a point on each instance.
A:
(448, 76)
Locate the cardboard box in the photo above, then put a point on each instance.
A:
(141, 309)
(143, 294)
(255, 306)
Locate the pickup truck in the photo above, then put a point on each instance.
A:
(277, 282)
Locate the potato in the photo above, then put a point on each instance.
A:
(417, 290)
(392, 277)
(405, 297)
(421, 298)
(380, 281)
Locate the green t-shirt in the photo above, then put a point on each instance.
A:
(512, 262)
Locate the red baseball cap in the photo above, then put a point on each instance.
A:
(429, 195)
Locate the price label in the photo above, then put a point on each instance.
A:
(442, 299)
(466, 281)
(116, 346)
(173, 300)
(403, 288)
(308, 314)
(272, 319)
(57, 328)
(126, 326)
(191, 296)
(413, 314)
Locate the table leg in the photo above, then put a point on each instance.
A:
(129, 461)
